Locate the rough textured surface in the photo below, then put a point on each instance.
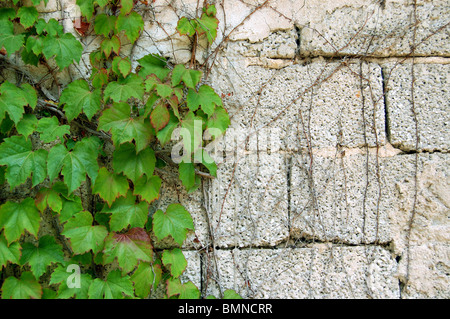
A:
(319, 271)
(377, 28)
(323, 101)
(321, 190)
(429, 107)
(429, 262)
(248, 201)
(341, 200)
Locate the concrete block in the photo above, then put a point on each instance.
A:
(429, 247)
(376, 28)
(320, 104)
(339, 198)
(320, 271)
(248, 201)
(431, 105)
(278, 45)
(252, 22)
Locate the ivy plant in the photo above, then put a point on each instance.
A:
(59, 152)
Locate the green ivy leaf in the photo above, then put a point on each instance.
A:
(7, 13)
(153, 64)
(10, 41)
(61, 276)
(192, 133)
(132, 164)
(219, 120)
(186, 172)
(208, 25)
(28, 57)
(65, 48)
(184, 291)
(124, 128)
(101, 3)
(48, 197)
(175, 261)
(16, 152)
(78, 97)
(99, 78)
(126, 6)
(207, 161)
(110, 186)
(75, 164)
(129, 248)
(148, 188)
(35, 44)
(15, 218)
(186, 26)
(126, 212)
(2, 174)
(82, 235)
(104, 24)
(164, 90)
(206, 98)
(9, 253)
(114, 287)
(42, 256)
(145, 277)
(24, 288)
(86, 8)
(124, 89)
(160, 116)
(48, 293)
(27, 16)
(50, 129)
(13, 99)
(190, 77)
(70, 208)
(231, 294)
(27, 125)
(121, 66)
(176, 222)
(132, 24)
(210, 10)
(110, 45)
(165, 134)
(52, 27)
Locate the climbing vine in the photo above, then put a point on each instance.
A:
(102, 247)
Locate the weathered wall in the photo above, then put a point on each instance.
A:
(335, 174)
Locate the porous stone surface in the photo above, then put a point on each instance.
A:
(319, 271)
(248, 201)
(420, 121)
(376, 28)
(419, 213)
(331, 182)
(339, 197)
(317, 104)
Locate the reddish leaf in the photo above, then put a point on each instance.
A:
(81, 26)
(129, 248)
(160, 116)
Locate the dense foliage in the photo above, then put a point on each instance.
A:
(102, 245)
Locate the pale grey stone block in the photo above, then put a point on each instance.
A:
(342, 198)
(319, 271)
(320, 104)
(376, 28)
(248, 201)
(431, 109)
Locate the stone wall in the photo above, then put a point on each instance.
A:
(334, 176)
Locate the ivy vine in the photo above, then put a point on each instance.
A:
(106, 236)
